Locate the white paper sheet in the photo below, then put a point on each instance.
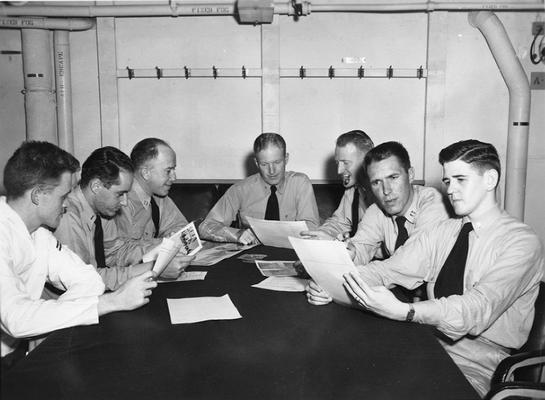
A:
(197, 309)
(283, 284)
(275, 233)
(212, 252)
(186, 276)
(276, 268)
(326, 261)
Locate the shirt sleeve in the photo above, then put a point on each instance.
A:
(339, 222)
(307, 209)
(23, 316)
(369, 236)
(172, 219)
(216, 225)
(70, 233)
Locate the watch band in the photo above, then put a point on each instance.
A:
(410, 314)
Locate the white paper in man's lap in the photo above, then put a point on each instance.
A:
(197, 309)
(326, 261)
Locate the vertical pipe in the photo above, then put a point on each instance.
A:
(519, 108)
(38, 79)
(63, 85)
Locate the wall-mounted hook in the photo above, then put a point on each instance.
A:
(130, 72)
(420, 72)
(331, 72)
(302, 72)
(244, 72)
(159, 72)
(361, 72)
(214, 71)
(187, 72)
(390, 72)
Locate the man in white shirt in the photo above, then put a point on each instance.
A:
(38, 177)
(483, 270)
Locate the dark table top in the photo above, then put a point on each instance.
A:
(281, 348)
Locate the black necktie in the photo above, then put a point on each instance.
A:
(99, 243)
(355, 211)
(451, 277)
(272, 212)
(155, 216)
(402, 234)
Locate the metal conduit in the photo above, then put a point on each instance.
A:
(519, 108)
(45, 23)
(63, 86)
(176, 9)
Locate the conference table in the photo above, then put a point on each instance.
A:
(282, 348)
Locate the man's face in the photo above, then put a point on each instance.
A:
(349, 161)
(51, 205)
(161, 171)
(391, 185)
(466, 186)
(271, 163)
(108, 201)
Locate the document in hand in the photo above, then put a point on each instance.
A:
(275, 233)
(186, 241)
(326, 261)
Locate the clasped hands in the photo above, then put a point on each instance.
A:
(377, 299)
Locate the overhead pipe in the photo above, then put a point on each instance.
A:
(63, 86)
(44, 23)
(39, 92)
(297, 7)
(519, 108)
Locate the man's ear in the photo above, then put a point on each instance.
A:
(35, 196)
(287, 158)
(256, 163)
(491, 178)
(411, 174)
(145, 173)
(95, 184)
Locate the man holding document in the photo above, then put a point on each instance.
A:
(483, 270)
(271, 194)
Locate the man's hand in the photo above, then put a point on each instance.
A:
(316, 295)
(176, 266)
(316, 235)
(377, 299)
(247, 237)
(132, 294)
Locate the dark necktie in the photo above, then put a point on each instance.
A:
(272, 212)
(155, 216)
(355, 211)
(99, 243)
(451, 277)
(402, 234)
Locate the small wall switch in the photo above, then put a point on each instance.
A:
(536, 26)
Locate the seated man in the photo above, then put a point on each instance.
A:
(483, 270)
(350, 150)
(401, 209)
(106, 177)
(271, 194)
(38, 177)
(150, 214)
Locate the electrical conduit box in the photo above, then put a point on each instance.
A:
(255, 11)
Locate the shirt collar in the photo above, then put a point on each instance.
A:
(411, 213)
(14, 216)
(279, 188)
(485, 221)
(144, 198)
(87, 213)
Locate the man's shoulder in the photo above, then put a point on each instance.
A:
(428, 196)
(297, 176)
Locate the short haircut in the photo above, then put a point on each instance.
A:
(36, 163)
(269, 139)
(146, 150)
(105, 164)
(358, 138)
(386, 150)
(480, 155)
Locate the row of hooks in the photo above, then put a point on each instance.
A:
(244, 72)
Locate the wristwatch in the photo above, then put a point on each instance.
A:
(410, 314)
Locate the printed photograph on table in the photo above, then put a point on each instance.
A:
(276, 268)
(191, 243)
